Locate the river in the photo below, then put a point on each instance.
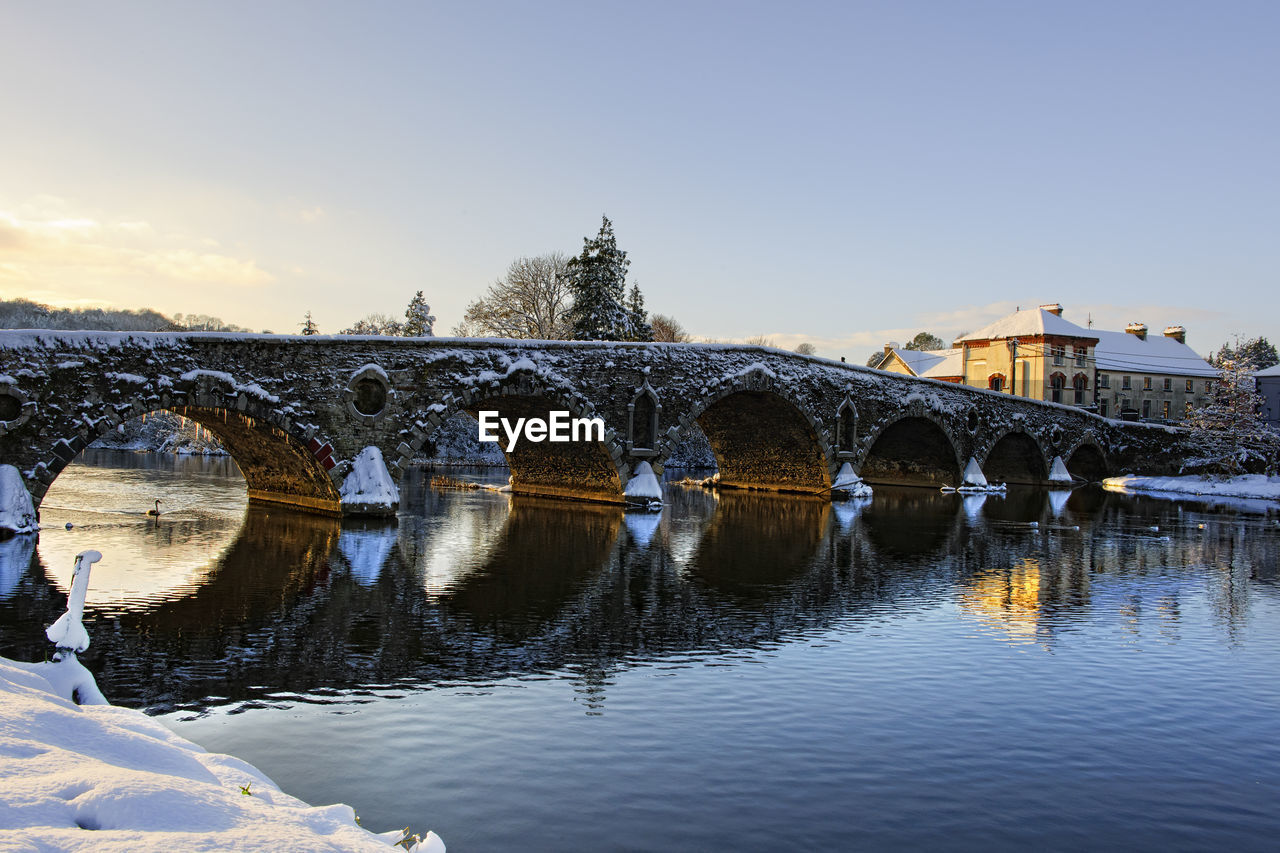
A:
(743, 672)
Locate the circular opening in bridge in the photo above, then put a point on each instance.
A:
(10, 406)
(972, 421)
(370, 396)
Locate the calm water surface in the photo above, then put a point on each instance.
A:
(744, 672)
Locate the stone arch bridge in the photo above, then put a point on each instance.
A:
(295, 411)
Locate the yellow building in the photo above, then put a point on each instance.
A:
(1039, 354)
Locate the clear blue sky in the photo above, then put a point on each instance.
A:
(836, 172)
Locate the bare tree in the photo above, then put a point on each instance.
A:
(531, 301)
(374, 324)
(668, 329)
(759, 341)
(806, 348)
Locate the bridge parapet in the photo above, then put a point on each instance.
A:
(294, 411)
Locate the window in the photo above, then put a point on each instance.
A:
(1082, 353)
(1146, 383)
(1164, 410)
(1102, 407)
(1191, 385)
(1126, 383)
(996, 382)
(1056, 383)
(1104, 380)
(1146, 408)
(1059, 354)
(1080, 383)
(1168, 384)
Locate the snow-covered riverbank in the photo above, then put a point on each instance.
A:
(103, 778)
(1253, 486)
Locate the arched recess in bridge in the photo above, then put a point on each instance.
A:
(761, 438)
(1088, 462)
(1016, 458)
(582, 470)
(279, 466)
(912, 451)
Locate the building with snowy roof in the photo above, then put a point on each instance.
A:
(1040, 354)
(1268, 384)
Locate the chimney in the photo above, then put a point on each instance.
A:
(1139, 329)
(1178, 333)
(1053, 308)
(890, 347)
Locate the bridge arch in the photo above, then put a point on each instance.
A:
(1016, 457)
(914, 450)
(761, 435)
(281, 463)
(584, 470)
(1088, 460)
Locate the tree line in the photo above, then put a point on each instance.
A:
(25, 314)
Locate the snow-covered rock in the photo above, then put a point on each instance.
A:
(849, 484)
(17, 513)
(368, 488)
(107, 779)
(643, 485)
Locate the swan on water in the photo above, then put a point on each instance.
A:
(155, 511)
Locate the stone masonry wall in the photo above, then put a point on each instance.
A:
(308, 405)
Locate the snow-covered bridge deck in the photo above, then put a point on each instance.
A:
(295, 411)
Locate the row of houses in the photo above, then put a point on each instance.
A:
(1038, 353)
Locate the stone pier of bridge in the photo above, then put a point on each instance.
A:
(296, 411)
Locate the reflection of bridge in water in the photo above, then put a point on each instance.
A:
(299, 603)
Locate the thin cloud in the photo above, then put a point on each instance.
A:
(46, 248)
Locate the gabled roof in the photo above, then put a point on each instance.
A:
(930, 363)
(1126, 353)
(1270, 371)
(949, 365)
(919, 360)
(1115, 351)
(1033, 322)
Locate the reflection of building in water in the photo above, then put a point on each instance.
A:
(1007, 599)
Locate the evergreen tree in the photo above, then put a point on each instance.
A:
(1256, 354)
(926, 342)
(309, 326)
(418, 320)
(597, 279)
(637, 322)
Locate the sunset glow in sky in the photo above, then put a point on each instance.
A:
(843, 173)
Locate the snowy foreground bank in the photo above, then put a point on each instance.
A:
(103, 778)
(1255, 486)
